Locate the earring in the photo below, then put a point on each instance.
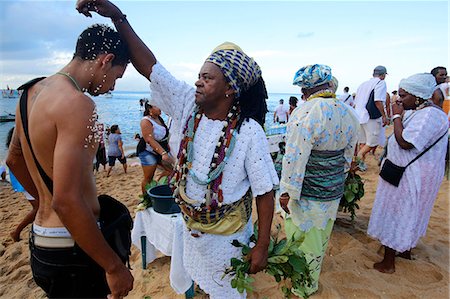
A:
(227, 95)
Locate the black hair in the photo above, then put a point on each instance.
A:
(114, 128)
(293, 101)
(102, 39)
(346, 89)
(147, 113)
(253, 104)
(9, 137)
(394, 92)
(436, 70)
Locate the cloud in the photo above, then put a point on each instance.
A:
(305, 34)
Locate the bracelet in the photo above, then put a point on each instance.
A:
(396, 116)
(121, 19)
(163, 153)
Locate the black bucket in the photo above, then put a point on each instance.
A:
(162, 200)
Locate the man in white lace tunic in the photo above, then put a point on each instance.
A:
(223, 159)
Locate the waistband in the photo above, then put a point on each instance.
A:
(52, 242)
(53, 232)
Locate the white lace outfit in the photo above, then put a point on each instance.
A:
(400, 214)
(249, 166)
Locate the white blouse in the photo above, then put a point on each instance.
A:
(250, 164)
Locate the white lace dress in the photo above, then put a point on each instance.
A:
(400, 214)
(249, 166)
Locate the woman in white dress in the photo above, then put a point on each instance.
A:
(400, 214)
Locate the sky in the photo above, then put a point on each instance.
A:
(37, 38)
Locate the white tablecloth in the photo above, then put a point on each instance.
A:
(163, 233)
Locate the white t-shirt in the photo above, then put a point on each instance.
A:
(362, 96)
(282, 113)
(347, 99)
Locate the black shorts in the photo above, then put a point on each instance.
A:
(112, 160)
(67, 272)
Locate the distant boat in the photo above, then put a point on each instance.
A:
(7, 117)
(108, 95)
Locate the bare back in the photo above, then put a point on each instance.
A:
(62, 126)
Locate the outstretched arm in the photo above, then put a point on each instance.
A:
(141, 56)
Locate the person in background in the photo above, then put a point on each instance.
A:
(100, 156)
(156, 144)
(292, 104)
(347, 98)
(371, 128)
(115, 150)
(400, 214)
(440, 75)
(320, 143)
(281, 114)
(29, 218)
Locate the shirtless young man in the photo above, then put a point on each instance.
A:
(62, 130)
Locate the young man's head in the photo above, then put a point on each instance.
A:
(101, 46)
(346, 89)
(440, 74)
(281, 101)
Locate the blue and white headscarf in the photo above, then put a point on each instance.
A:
(240, 70)
(312, 75)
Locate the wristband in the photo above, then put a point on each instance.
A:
(396, 116)
(163, 153)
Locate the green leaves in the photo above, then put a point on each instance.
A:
(286, 263)
(353, 192)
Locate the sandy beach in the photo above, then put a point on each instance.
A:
(346, 273)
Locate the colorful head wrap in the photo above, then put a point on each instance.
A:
(240, 70)
(419, 85)
(312, 75)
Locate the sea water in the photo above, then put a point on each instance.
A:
(123, 109)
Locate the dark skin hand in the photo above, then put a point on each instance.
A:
(284, 200)
(397, 108)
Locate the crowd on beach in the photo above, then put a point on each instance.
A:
(215, 153)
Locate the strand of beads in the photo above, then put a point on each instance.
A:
(223, 150)
(326, 93)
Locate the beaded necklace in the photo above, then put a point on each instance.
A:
(322, 94)
(222, 152)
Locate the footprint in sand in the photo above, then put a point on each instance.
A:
(419, 272)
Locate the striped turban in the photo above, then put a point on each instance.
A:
(240, 70)
(312, 75)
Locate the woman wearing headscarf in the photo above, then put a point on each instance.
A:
(223, 156)
(320, 142)
(401, 213)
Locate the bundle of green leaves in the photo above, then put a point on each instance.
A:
(353, 192)
(286, 263)
(146, 201)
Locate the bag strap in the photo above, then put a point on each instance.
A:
(347, 98)
(24, 117)
(427, 149)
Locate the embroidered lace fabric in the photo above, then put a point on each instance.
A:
(250, 165)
